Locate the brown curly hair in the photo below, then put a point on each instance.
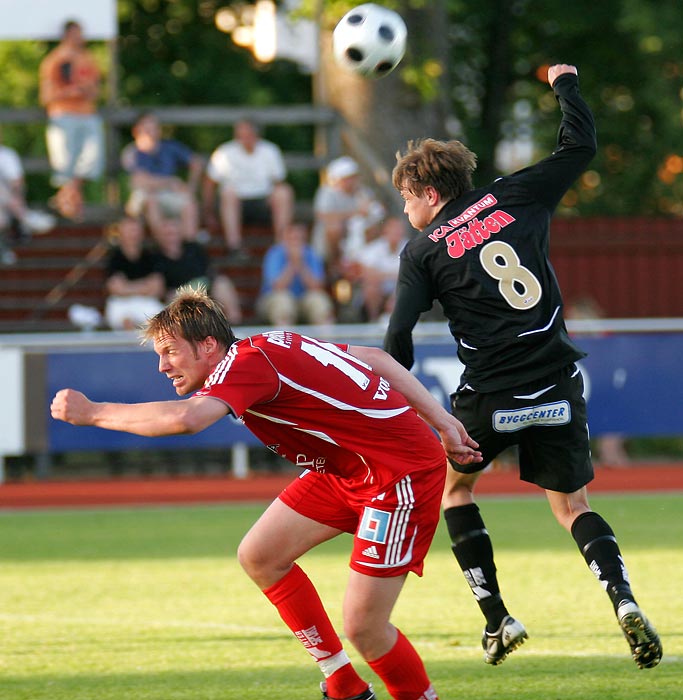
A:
(447, 166)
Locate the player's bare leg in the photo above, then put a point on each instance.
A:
(368, 604)
(473, 550)
(231, 218)
(268, 554)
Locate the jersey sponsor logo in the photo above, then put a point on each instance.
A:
(382, 390)
(488, 200)
(317, 463)
(374, 526)
(281, 338)
(555, 413)
(476, 232)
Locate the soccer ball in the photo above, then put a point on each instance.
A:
(370, 40)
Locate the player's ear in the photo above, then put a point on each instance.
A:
(433, 197)
(208, 345)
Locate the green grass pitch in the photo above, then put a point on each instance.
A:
(150, 604)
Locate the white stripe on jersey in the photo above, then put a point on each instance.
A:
(223, 367)
(272, 419)
(398, 529)
(545, 328)
(369, 412)
(535, 395)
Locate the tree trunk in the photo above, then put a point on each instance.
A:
(382, 115)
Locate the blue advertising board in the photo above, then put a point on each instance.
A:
(124, 377)
(633, 386)
(633, 382)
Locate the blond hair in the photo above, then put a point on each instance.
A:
(192, 315)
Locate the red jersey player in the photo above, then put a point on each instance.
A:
(371, 467)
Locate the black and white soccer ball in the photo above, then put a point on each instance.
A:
(370, 40)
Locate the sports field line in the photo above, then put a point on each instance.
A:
(145, 625)
(142, 624)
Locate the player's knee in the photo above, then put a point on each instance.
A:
(371, 639)
(567, 513)
(252, 558)
(458, 492)
(362, 634)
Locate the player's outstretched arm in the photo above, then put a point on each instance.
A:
(153, 419)
(459, 446)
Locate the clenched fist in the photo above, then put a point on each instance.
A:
(554, 72)
(72, 407)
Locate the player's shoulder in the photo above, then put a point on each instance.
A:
(274, 340)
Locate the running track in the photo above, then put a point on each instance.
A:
(259, 488)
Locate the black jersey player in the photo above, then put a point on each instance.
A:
(483, 254)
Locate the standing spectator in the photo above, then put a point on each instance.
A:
(294, 282)
(249, 173)
(134, 285)
(377, 264)
(17, 221)
(183, 262)
(158, 187)
(343, 210)
(69, 89)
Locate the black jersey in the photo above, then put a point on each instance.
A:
(133, 270)
(485, 258)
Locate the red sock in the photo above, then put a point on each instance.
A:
(302, 611)
(403, 672)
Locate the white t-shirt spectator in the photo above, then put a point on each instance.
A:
(250, 175)
(379, 256)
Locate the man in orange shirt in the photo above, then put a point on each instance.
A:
(69, 87)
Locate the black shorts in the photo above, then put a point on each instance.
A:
(546, 418)
(256, 211)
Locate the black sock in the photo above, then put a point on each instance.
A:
(473, 550)
(599, 548)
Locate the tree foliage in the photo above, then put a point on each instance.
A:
(630, 59)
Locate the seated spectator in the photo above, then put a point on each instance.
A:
(249, 173)
(184, 262)
(293, 287)
(17, 221)
(376, 267)
(69, 88)
(134, 286)
(164, 177)
(343, 210)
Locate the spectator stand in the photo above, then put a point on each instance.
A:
(62, 269)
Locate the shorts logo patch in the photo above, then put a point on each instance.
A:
(371, 552)
(374, 525)
(549, 414)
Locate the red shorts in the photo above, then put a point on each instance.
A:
(391, 531)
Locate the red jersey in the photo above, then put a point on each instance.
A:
(323, 409)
